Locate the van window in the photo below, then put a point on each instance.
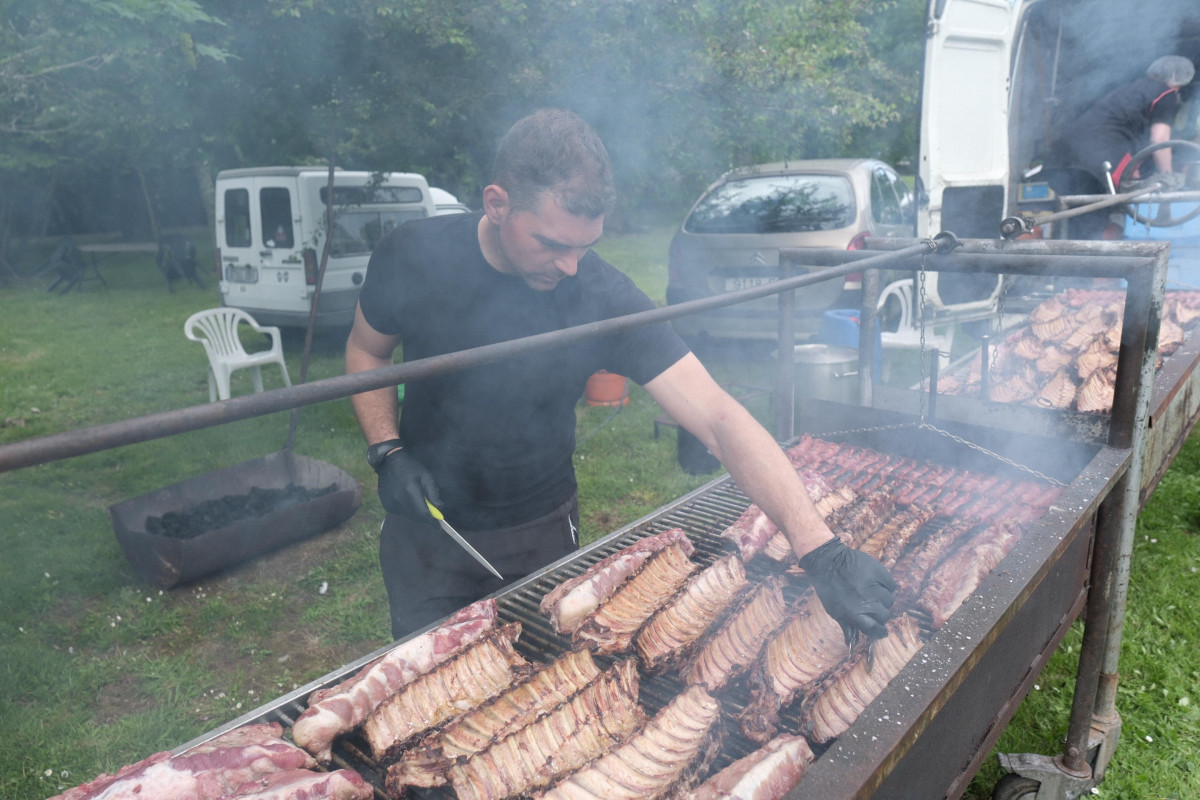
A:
(358, 231)
(371, 195)
(237, 218)
(275, 202)
(775, 204)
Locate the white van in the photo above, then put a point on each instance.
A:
(270, 232)
(1001, 78)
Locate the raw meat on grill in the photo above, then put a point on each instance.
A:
(611, 627)
(302, 784)
(482, 670)
(951, 492)
(803, 651)
(888, 541)
(426, 764)
(676, 627)
(754, 532)
(730, 649)
(585, 727)
(342, 708)
(662, 759)
(766, 774)
(914, 566)
(836, 704)
(210, 770)
(963, 571)
(569, 603)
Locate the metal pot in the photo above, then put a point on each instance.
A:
(826, 372)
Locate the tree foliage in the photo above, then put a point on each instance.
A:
(94, 91)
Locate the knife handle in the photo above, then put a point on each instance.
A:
(433, 510)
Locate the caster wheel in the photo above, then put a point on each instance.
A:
(1015, 787)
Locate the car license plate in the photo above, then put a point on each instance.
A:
(237, 273)
(736, 284)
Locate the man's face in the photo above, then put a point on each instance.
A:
(544, 245)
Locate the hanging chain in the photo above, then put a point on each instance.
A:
(926, 379)
(992, 454)
(921, 362)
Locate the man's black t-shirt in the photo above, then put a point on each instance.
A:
(499, 438)
(1116, 125)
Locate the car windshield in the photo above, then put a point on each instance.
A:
(775, 204)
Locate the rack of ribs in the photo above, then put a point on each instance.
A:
(479, 672)
(730, 649)
(611, 627)
(668, 636)
(341, 708)
(835, 704)
(551, 685)
(661, 760)
(569, 604)
(766, 774)
(596, 719)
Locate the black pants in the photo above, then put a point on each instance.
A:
(428, 576)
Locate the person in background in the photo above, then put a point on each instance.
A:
(1111, 130)
(492, 446)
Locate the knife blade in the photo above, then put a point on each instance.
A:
(463, 543)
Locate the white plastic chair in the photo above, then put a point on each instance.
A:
(908, 331)
(217, 330)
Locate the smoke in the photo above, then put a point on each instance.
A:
(1093, 47)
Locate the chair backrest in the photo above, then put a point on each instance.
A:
(901, 290)
(217, 330)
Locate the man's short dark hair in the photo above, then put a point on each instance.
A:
(553, 150)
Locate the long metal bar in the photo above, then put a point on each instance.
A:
(1105, 717)
(785, 385)
(43, 449)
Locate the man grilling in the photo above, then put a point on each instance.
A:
(492, 446)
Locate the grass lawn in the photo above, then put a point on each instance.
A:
(99, 668)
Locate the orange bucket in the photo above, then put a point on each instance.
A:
(606, 388)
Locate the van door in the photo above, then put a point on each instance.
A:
(964, 151)
(262, 269)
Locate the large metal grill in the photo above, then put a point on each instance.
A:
(1038, 591)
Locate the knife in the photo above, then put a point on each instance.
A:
(463, 543)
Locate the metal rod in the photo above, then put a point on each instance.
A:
(43, 449)
(785, 386)
(1106, 698)
(1108, 520)
(868, 336)
(985, 393)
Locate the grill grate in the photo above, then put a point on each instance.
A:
(704, 515)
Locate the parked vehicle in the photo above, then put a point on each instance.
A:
(446, 203)
(730, 239)
(270, 233)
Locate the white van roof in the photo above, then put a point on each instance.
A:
(251, 172)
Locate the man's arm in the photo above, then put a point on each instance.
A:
(689, 394)
(855, 588)
(1161, 132)
(377, 410)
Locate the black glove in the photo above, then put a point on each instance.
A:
(855, 588)
(405, 484)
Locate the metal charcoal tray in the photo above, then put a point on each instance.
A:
(926, 735)
(167, 561)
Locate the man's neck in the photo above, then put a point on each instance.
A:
(489, 244)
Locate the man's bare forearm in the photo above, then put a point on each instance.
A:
(377, 410)
(763, 471)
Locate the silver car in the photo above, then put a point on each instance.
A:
(730, 239)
